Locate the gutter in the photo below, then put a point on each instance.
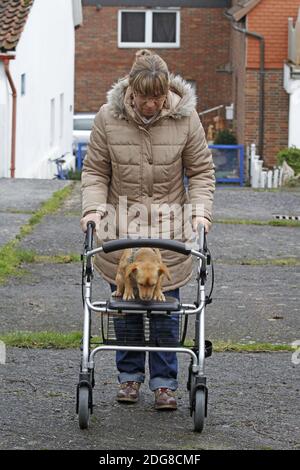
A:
(261, 39)
(6, 58)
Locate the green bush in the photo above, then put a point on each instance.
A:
(74, 175)
(292, 156)
(225, 137)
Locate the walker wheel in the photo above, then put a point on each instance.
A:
(199, 410)
(83, 407)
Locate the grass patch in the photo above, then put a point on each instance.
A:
(42, 340)
(10, 256)
(272, 262)
(57, 259)
(284, 223)
(263, 262)
(240, 222)
(57, 340)
(47, 208)
(10, 260)
(17, 211)
(220, 346)
(227, 346)
(272, 223)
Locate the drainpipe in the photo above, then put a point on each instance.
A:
(6, 60)
(261, 39)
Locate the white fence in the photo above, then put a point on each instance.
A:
(262, 177)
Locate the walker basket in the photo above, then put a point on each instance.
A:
(145, 324)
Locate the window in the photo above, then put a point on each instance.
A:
(23, 84)
(164, 27)
(61, 123)
(149, 28)
(52, 122)
(133, 27)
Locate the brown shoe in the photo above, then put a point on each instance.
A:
(128, 392)
(165, 399)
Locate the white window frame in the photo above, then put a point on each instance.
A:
(148, 29)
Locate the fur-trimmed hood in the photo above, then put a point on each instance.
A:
(181, 100)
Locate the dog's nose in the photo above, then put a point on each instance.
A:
(146, 297)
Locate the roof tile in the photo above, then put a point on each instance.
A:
(13, 16)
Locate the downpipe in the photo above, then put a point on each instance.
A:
(261, 40)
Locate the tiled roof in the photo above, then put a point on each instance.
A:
(13, 16)
(242, 8)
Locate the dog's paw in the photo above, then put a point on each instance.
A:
(159, 296)
(128, 295)
(116, 293)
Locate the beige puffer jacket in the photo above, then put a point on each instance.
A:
(125, 157)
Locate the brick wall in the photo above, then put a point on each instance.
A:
(204, 48)
(251, 110)
(276, 113)
(270, 18)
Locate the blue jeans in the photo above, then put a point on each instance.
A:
(163, 366)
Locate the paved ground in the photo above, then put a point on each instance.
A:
(19, 198)
(252, 396)
(253, 404)
(250, 303)
(246, 203)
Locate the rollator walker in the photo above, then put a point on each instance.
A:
(115, 310)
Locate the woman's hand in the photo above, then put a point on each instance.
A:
(203, 221)
(91, 217)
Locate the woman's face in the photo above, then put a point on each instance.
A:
(148, 106)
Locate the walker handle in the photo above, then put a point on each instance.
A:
(122, 244)
(202, 238)
(89, 235)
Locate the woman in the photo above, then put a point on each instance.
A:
(143, 141)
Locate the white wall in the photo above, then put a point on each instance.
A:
(45, 54)
(292, 87)
(294, 118)
(5, 124)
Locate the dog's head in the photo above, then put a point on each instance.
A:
(146, 276)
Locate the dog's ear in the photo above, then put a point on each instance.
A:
(164, 270)
(130, 269)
